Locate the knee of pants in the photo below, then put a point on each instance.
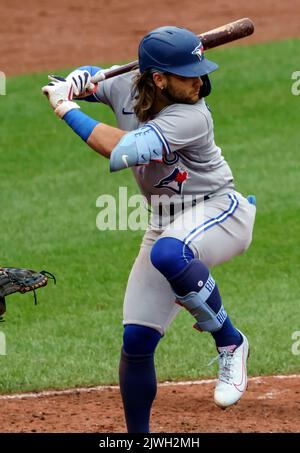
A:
(140, 340)
(170, 255)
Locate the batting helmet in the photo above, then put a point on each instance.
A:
(174, 50)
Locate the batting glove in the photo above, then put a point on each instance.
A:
(60, 94)
(81, 83)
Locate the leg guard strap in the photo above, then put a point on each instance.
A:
(195, 303)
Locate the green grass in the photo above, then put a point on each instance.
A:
(48, 189)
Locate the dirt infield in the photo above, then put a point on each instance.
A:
(42, 36)
(270, 405)
(36, 35)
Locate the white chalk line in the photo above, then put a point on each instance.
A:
(100, 388)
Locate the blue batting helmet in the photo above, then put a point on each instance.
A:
(174, 50)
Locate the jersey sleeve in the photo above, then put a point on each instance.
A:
(182, 125)
(114, 91)
(104, 92)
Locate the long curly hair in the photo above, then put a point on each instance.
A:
(144, 90)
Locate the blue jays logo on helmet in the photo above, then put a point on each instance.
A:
(198, 51)
(174, 181)
(174, 50)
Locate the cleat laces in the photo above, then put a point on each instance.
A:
(225, 359)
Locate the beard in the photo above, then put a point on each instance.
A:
(177, 98)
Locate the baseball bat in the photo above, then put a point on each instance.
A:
(210, 39)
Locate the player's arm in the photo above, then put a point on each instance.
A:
(103, 138)
(124, 149)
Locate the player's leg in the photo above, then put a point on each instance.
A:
(224, 232)
(195, 289)
(149, 299)
(137, 375)
(148, 310)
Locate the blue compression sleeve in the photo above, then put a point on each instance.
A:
(82, 124)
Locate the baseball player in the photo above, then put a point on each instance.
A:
(165, 134)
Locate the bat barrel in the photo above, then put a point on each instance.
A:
(227, 33)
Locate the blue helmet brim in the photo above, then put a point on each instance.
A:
(195, 69)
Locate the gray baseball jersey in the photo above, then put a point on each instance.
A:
(194, 166)
(189, 138)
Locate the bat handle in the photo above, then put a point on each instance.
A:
(114, 71)
(98, 77)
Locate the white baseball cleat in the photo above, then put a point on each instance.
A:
(232, 379)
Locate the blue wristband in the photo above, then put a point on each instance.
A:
(81, 123)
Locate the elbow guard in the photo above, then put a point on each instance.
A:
(138, 147)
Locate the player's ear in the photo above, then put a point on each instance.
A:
(160, 80)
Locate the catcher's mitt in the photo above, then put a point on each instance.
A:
(14, 280)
